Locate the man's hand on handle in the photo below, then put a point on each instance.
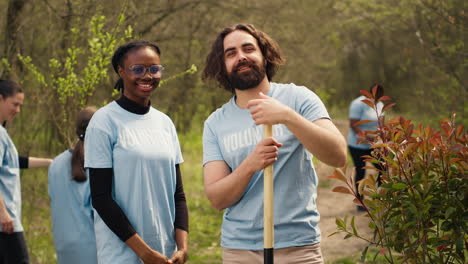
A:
(264, 154)
(268, 111)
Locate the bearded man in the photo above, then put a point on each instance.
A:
(244, 60)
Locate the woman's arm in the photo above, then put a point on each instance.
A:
(181, 211)
(147, 254)
(181, 223)
(5, 219)
(32, 162)
(181, 255)
(39, 162)
(100, 181)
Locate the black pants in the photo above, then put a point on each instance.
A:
(13, 248)
(359, 163)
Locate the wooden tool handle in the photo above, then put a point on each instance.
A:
(268, 220)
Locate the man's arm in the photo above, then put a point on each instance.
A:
(5, 219)
(223, 187)
(320, 137)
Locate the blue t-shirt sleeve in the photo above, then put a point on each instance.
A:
(310, 105)
(98, 149)
(211, 150)
(355, 109)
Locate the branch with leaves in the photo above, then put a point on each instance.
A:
(418, 211)
(71, 81)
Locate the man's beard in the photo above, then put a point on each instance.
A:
(246, 80)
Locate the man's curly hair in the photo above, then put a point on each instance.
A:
(215, 67)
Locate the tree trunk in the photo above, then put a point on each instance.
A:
(12, 47)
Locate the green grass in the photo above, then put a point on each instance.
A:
(36, 216)
(205, 222)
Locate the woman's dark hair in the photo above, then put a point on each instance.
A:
(8, 89)
(215, 67)
(121, 54)
(77, 161)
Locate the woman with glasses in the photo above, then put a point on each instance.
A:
(12, 243)
(132, 154)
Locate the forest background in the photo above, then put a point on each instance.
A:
(59, 50)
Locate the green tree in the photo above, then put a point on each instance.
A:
(14, 19)
(415, 47)
(71, 83)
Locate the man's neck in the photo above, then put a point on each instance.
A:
(244, 96)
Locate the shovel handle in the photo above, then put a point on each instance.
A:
(268, 220)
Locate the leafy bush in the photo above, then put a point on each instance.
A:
(418, 211)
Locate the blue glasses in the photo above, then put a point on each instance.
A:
(140, 70)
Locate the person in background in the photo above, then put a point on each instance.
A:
(13, 249)
(70, 201)
(133, 154)
(358, 140)
(243, 60)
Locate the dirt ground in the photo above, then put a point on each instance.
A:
(332, 205)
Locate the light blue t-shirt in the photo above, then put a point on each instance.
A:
(72, 214)
(361, 111)
(10, 186)
(143, 151)
(230, 135)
